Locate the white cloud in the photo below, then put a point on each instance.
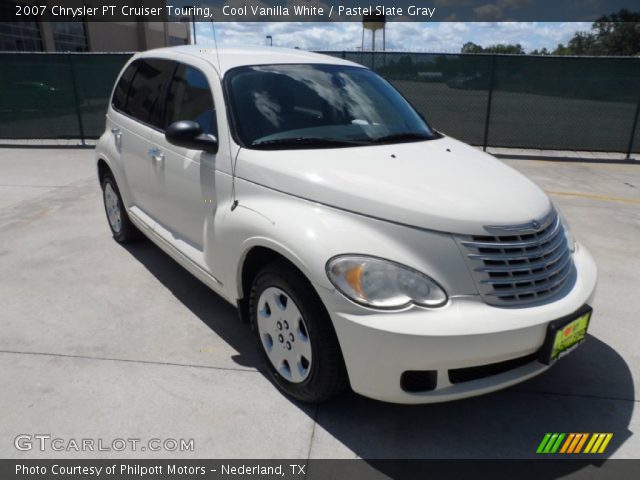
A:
(405, 36)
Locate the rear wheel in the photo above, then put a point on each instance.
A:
(295, 335)
(123, 230)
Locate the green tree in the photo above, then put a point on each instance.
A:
(615, 34)
(505, 48)
(471, 47)
(562, 50)
(543, 51)
(618, 33)
(583, 43)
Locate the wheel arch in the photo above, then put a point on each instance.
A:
(106, 164)
(335, 377)
(103, 169)
(254, 258)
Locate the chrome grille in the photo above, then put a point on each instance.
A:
(520, 264)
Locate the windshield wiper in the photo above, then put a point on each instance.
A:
(403, 137)
(305, 142)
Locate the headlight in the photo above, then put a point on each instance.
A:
(379, 283)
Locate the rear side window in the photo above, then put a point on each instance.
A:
(189, 98)
(144, 100)
(122, 88)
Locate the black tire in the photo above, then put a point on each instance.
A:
(124, 231)
(327, 375)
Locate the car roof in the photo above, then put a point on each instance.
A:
(232, 57)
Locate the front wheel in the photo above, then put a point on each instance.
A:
(295, 335)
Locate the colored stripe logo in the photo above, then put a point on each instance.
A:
(574, 443)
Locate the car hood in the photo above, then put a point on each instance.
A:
(441, 184)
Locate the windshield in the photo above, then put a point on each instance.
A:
(318, 106)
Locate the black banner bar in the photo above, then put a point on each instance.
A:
(319, 469)
(316, 10)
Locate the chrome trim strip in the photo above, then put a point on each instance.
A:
(558, 254)
(557, 242)
(526, 228)
(530, 278)
(547, 235)
(527, 290)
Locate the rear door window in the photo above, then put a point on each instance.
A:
(144, 98)
(122, 88)
(189, 98)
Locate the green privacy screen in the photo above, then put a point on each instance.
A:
(564, 103)
(50, 96)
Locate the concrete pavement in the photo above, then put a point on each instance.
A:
(103, 341)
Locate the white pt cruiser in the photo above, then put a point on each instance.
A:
(364, 247)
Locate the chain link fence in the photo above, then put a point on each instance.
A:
(559, 103)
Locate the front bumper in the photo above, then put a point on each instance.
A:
(378, 347)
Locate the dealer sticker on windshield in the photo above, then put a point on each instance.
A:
(564, 336)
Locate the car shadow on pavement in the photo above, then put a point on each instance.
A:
(216, 313)
(589, 391)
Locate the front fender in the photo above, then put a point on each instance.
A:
(308, 234)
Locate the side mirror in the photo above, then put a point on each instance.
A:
(188, 134)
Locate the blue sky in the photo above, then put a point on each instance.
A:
(406, 36)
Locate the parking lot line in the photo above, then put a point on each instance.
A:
(128, 360)
(592, 196)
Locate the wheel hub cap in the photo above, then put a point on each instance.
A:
(112, 204)
(284, 335)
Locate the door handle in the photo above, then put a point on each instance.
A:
(156, 154)
(117, 134)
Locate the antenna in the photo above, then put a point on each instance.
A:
(234, 203)
(215, 44)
